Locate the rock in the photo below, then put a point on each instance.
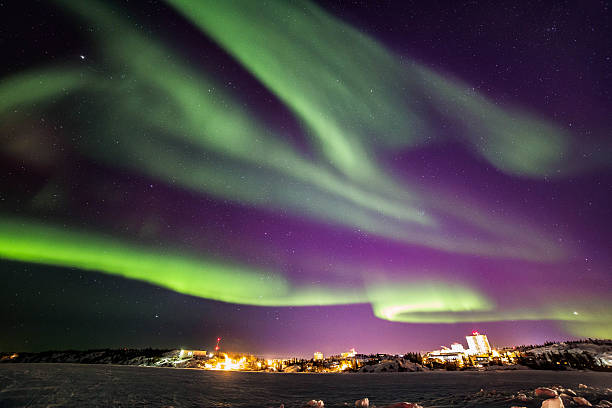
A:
(605, 404)
(582, 401)
(315, 404)
(363, 403)
(522, 397)
(582, 386)
(570, 392)
(553, 403)
(403, 405)
(514, 406)
(566, 398)
(545, 392)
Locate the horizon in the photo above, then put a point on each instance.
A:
(306, 356)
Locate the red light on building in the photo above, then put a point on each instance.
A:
(475, 333)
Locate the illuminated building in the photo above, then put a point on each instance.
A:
(446, 355)
(478, 343)
(349, 354)
(193, 353)
(457, 347)
(478, 354)
(339, 366)
(275, 364)
(318, 356)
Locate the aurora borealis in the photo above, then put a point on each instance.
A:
(273, 171)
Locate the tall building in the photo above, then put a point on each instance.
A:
(478, 343)
(318, 356)
(349, 354)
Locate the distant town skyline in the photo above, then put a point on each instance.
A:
(477, 343)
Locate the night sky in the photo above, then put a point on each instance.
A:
(296, 176)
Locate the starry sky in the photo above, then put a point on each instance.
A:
(295, 176)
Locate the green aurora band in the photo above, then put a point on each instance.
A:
(254, 166)
(304, 63)
(351, 113)
(414, 301)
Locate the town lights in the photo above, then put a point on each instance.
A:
(227, 364)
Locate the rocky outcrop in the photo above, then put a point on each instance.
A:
(553, 403)
(522, 397)
(582, 401)
(569, 392)
(403, 405)
(292, 369)
(393, 366)
(545, 392)
(362, 403)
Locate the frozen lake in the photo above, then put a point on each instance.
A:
(68, 385)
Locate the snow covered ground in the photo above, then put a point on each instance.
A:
(76, 385)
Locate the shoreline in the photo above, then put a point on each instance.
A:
(526, 369)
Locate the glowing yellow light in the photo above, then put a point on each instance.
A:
(227, 364)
